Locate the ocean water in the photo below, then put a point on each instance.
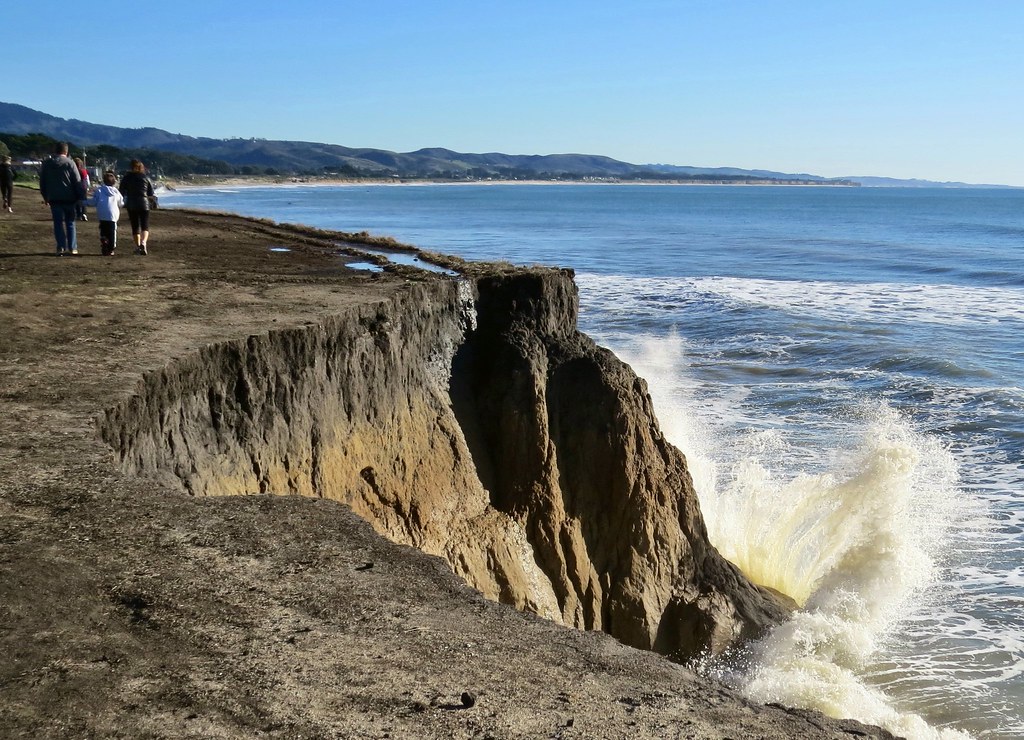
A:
(844, 369)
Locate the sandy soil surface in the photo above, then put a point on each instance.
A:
(128, 610)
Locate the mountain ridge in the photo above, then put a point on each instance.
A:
(304, 157)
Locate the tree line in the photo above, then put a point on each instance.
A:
(169, 164)
(22, 147)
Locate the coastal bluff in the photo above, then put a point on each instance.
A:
(244, 486)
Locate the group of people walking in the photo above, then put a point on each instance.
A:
(64, 185)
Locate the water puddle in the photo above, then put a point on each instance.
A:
(366, 266)
(410, 260)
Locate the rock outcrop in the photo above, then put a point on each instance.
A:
(470, 419)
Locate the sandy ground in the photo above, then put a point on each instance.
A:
(128, 610)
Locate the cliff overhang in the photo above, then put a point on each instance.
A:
(471, 419)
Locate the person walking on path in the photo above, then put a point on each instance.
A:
(137, 191)
(7, 183)
(60, 184)
(107, 201)
(84, 173)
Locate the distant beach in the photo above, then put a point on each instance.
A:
(258, 181)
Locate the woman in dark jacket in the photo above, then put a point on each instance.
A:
(137, 190)
(7, 183)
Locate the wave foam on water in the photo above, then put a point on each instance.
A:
(857, 546)
(869, 525)
(855, 552)
(882, 302)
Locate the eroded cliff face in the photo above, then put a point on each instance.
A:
(472, 420)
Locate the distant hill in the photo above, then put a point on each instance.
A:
(257, 156)
(303, 157)
(892, 182)
(682, 171)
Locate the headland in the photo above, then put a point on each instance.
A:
(244, 488)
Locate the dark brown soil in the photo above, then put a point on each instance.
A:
(128, 610)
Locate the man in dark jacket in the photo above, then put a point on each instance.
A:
(7, 183)
(60, 184)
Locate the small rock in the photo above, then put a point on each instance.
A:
(468, 699)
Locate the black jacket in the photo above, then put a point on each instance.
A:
(6, 175)
(136, 189)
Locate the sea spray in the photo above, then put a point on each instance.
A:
(855, 552)
(878, 517)
(857, 545)
(657, 360)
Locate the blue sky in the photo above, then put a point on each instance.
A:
(901, 88)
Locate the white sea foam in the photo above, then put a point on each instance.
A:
(856, 546)
(855, 549)
(945, 304)
(812, 532)
(884, 302)
(658, 360)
